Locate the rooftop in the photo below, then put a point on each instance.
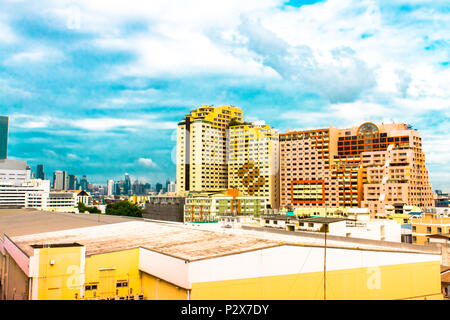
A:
(174, 240)
(322, 220)
(445, 277)
(444, 268)
(103, 234)
(441, 236)
(17, 222)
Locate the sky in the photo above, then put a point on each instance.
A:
(97, 88)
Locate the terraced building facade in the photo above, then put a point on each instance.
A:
(370, 166)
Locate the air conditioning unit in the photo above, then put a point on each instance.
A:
(141, 297)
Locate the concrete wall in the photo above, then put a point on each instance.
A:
(166, 212)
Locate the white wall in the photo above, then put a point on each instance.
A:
(288, 259)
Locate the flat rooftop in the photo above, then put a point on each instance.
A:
(30, 229)
(322, 219)
(16, 222)
(174, 240)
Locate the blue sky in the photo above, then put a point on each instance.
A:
(97, 87)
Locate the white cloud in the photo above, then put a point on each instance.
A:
(147, 162)
(366, 61)
(7, 88)
(36, 55)
(6, 34)
(141, 122)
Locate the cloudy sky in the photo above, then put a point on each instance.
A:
(97, 87)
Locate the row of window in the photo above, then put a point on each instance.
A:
(119, 284)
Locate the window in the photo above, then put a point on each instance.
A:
(414, 228)
(121, 284)
(311, 225)
(428, 229)
(439, 230)
(89, 287)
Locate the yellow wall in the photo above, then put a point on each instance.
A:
(407, 281)
(158, 289)
(108, 268)
(60, 281)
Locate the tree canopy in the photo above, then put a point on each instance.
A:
(124, 208)
(83, 208)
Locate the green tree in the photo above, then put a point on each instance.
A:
(83, 208)
(124, 208)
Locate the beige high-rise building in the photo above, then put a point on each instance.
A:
(202, 149)
(370, 166)
(253, 161)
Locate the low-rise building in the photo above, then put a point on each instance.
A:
(209, 206)
(430, 222)
(441, 199)
(383, 230)
(62, 201)
(400, 212)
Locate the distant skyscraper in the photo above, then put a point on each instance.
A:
(73, 182)
(117, 188)
(66, 180)
(110, 187)
(3, 137)
(158, 187)
(58, 180)
(127, 184)
(171, 187)
(40, 174)
(84, 183)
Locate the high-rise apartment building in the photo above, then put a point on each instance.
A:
(202, 148)
(370, 166)
(253, 161)
(3, 137)
(40, 174)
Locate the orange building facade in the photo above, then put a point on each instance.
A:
(428, 224)
(369, 166)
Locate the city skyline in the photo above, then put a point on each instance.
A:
(96, 90)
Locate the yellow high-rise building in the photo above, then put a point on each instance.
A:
(253, 160)
(201, 148)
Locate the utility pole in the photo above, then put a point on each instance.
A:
(325, 259)
(325, 265)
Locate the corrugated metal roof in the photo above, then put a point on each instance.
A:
(175, 240)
